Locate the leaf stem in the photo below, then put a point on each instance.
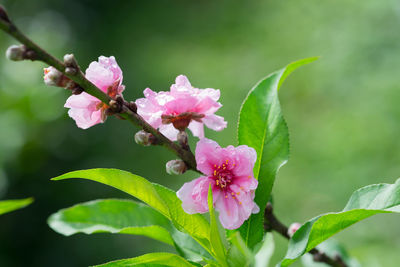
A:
(41, 55)
(272, 223)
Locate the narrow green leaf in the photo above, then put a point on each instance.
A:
(111, 216)
(264, 254)
(215, 237)
(158, 197)
(151, 259)
(262, 126)
(365, 202)
(11, 205)
(239, 254)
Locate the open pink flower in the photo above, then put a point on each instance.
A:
(87, 110)
(183, 106)
(230, 172)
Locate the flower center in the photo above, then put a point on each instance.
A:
(181, 121)
(222, 175)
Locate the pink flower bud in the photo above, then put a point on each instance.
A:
(143, 138)
(293, 228)
(175, 167)
(15, 52)
(53, 77)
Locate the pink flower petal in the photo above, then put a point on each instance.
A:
(205, 106)
(182, 84)
(215, 122)
(85, 119)
(83, 100)
(194, 195)
(207, 155)
(169, 131)
(245, 158)
(197, 129)
(228, 212)
(104, 73)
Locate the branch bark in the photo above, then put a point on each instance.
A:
(272, 223)
(41, 55)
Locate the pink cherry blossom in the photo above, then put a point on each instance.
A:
(230, 172)
(183, 106)
(87, 110)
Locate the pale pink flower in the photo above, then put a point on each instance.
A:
(87, 110)
(182, 107)
(230, 172)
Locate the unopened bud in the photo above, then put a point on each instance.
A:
(293, 228)
(3, 14)
(53, 77)
(176, 167)
(70, 61)
(15, 52)
(70, 71)
(143, 138)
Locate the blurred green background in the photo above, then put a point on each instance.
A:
(342, 111)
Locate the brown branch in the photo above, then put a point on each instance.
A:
(78, 77)
(272, 223)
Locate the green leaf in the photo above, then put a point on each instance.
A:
(111, 216)
(151, 259)
(215, 236)
(158, 197)
(188, 248)
(264, 254)
(239, 254)
(262, 126)
(124, 217)
(365, 202)
(11, 205)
